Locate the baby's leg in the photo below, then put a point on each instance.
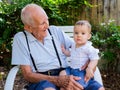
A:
(63, 72)
(62, 89)
(94, 85)
(50, 89)
(101, 88)
(81, 74)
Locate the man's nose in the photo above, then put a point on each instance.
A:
(47, 24)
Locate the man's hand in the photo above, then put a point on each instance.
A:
(68, 82)
(73, 85)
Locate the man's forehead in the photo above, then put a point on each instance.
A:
(39, 18)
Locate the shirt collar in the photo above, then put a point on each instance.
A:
(32, 38)
(88, 43)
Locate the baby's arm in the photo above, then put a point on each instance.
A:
(66, 52)
(91, 69)
(93, 55)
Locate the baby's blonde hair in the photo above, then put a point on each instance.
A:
(84, 22)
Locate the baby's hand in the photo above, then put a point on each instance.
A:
(65, 51)
(63, 48)
(89, 74)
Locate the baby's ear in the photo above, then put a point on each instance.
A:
(89, 36)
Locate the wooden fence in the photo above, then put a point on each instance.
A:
(105, 10)
(101, 11)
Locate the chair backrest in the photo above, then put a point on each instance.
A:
(68, 30)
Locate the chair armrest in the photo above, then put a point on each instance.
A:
(11, 78)
(97, 76)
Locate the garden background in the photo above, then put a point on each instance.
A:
(104, 16)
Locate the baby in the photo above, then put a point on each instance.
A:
(82, 52)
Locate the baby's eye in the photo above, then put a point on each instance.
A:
(76, 32)
(83, 33)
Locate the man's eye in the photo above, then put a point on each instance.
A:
(42, 23)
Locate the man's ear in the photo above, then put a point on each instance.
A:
(27, 28)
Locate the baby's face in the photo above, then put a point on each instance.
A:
(81, 34)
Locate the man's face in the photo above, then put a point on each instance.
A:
(41, 24)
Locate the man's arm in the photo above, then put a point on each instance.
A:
(66, 82)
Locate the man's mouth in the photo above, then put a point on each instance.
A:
(44, 30)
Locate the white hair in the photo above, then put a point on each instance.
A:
(26, 13)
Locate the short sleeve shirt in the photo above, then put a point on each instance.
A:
(44, 55)
(79, 56)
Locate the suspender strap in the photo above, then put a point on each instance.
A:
(55, 48)
(30, 52)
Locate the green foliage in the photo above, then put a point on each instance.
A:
(107, 38)
(10, 23)
(71, 10)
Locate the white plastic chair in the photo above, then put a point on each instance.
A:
(97, 76)
(11, 78)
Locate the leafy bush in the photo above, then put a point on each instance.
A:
(10, 23)
(107, 38)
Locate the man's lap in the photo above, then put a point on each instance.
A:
(41, 85)
(92, 85)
